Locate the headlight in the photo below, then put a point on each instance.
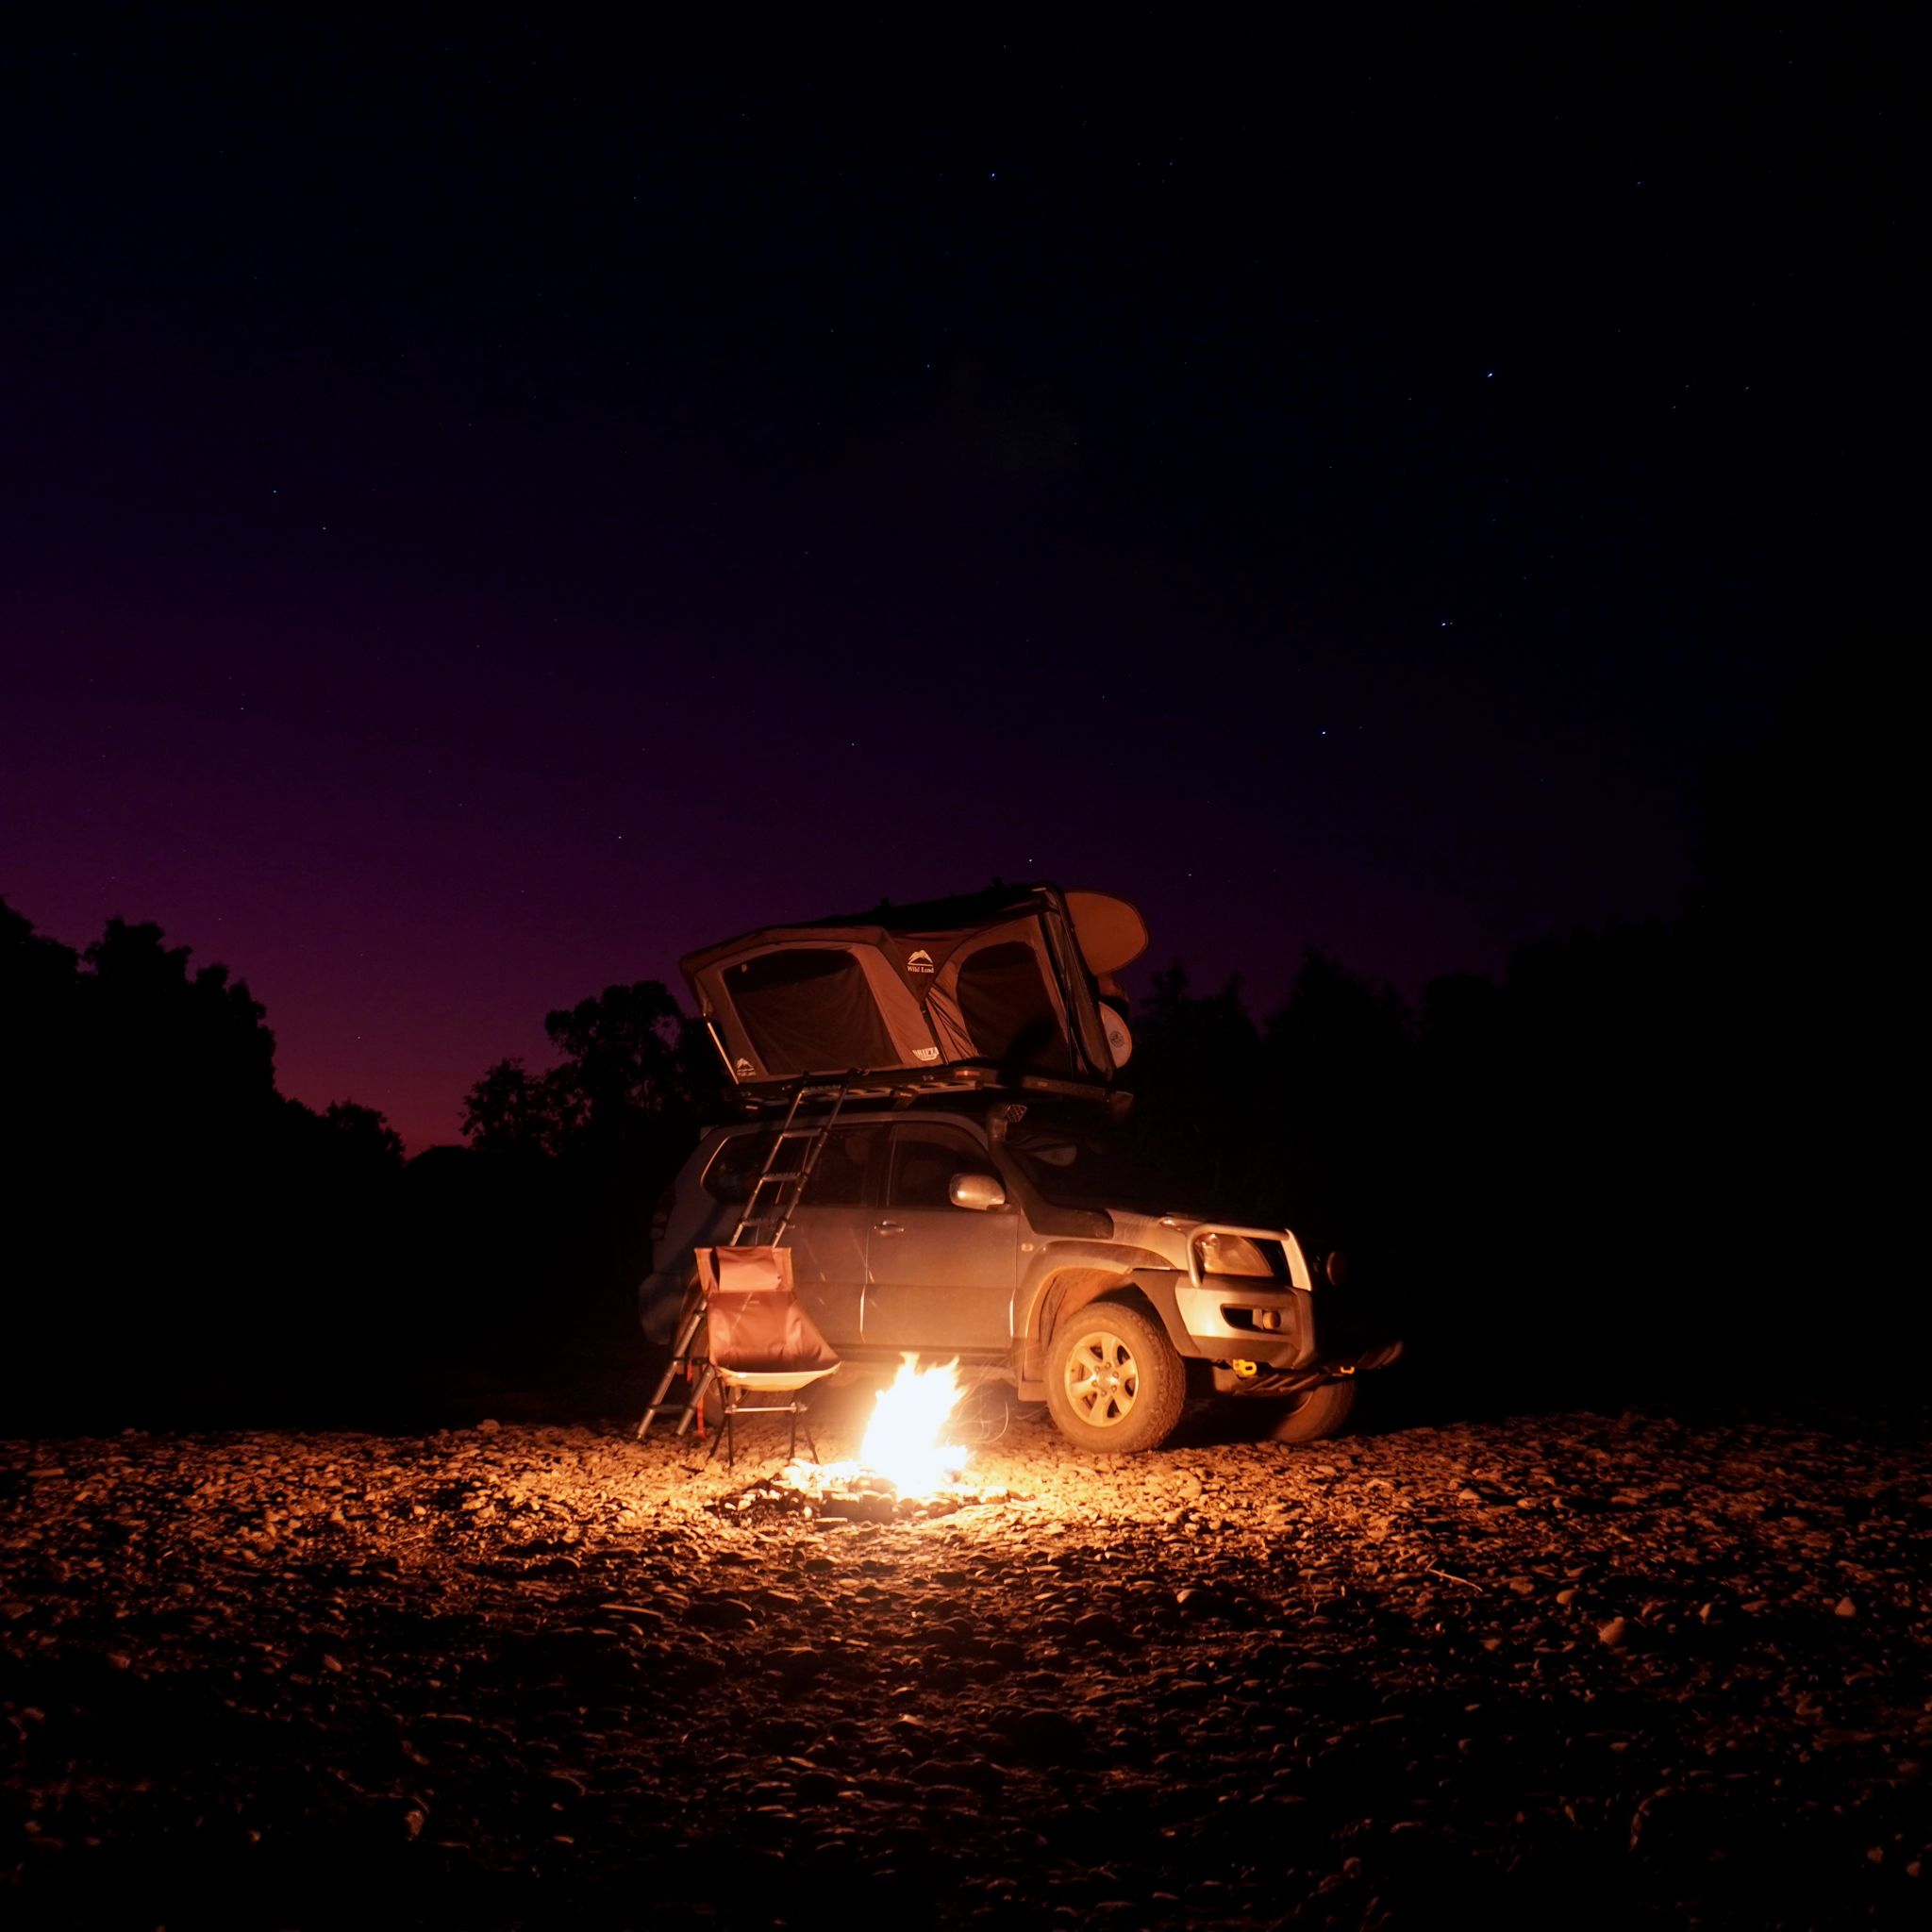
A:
(1232, 1253)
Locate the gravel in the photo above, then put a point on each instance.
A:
(1572, 1668)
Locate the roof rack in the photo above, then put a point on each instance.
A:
(958, 1082)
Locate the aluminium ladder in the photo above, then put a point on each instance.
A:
(768, 1209)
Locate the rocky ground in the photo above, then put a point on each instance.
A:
(1562, 1670)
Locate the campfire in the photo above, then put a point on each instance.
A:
(903, 1442)
(903, 1469)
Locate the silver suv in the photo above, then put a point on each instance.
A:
(1001, 1233)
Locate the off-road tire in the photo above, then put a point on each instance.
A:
(1113, 1381)
(1323, 1412)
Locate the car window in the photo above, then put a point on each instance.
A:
(924, 1159)
(838, 1179)
(736, 1166)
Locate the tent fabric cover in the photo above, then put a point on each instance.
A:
(1006, 1005)
(995, 980)
(995, 994)
(790, 999)
(780, 1012)
(761, 1336)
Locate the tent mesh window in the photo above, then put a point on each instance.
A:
(791, 1002)
(1009, 1011)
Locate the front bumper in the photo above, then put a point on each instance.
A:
(1234, 1318)
(1280, 1329)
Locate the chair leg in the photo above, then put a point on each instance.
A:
(695, 1411)
(723, 1433)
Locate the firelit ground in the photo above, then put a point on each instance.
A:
(1560, 1671)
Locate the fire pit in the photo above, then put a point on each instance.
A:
(849, 1492)
(903, 1472)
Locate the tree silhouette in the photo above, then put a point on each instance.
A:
(1802, 942)
(1197, 1059)
(363, 1136)
(634, 1077)
(174, 1219)
(1339, 1058)
(581, 1152)
(512, 1111)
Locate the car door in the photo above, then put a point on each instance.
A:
(940, 1277)
(828, 1233)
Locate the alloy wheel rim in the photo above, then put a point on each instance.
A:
(1103, 1379)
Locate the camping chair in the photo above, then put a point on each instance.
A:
(762, 1342)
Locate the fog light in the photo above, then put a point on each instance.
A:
(1268, 1317)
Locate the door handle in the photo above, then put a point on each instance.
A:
(888, 1228)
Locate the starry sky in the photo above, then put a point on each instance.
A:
(493, 501)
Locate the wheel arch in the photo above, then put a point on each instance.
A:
(1113, 1384)
(1068, 1282)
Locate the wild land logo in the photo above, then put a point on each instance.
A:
(920, 963)
(925, 1053)
(743, 1068)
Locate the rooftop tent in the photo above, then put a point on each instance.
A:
(999, 985)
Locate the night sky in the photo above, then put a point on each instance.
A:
(489, 503)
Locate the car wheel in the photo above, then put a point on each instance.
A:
(1113, 1380)
(1323, 1412)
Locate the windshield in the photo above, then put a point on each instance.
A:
(1075, 1169)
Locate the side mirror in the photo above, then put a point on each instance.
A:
(1336, 1267)
(979, 1190)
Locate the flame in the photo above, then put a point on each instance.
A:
(903, 1442)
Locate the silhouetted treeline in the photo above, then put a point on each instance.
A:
(1655, 1158)
(182, 1242)
(1652, 1158)
(175, 1228)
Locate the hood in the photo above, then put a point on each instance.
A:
(1165, 1235)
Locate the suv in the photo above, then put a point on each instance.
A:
(1001, 1234)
